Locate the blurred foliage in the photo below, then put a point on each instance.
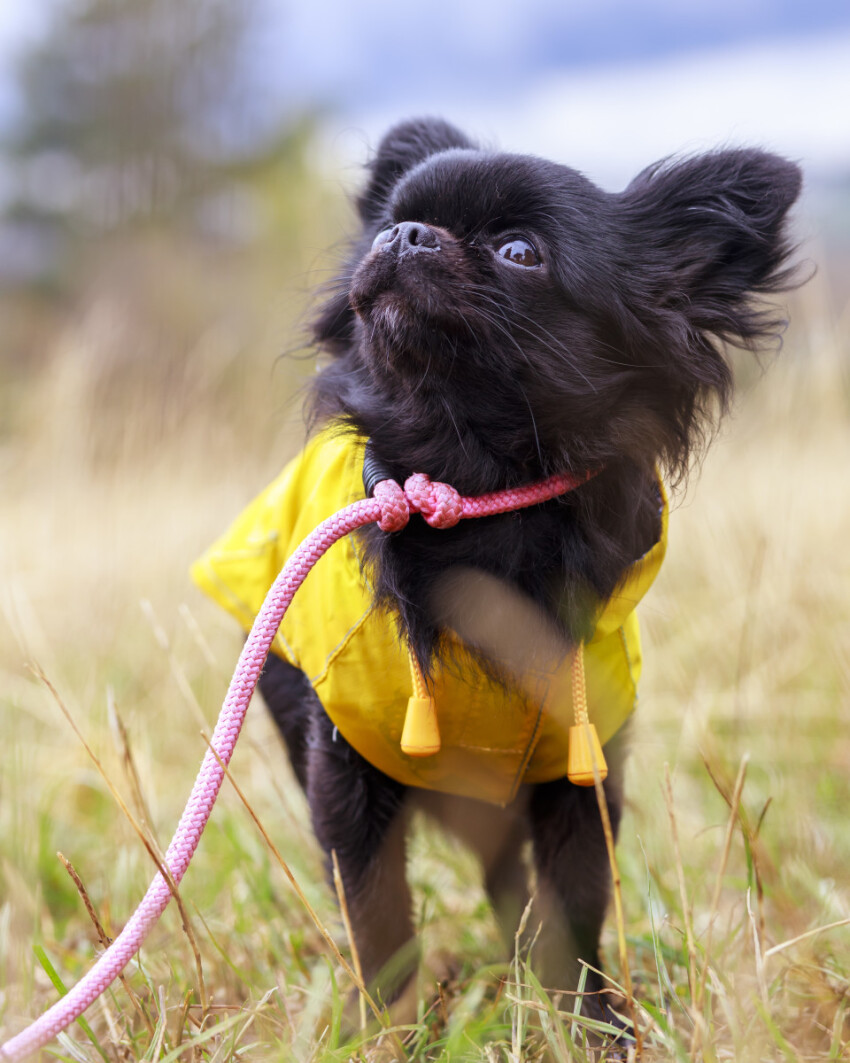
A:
(152, 227)
(131, 108)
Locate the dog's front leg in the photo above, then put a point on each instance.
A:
(359, 812)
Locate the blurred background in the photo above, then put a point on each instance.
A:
(171, 173)
(174, 187)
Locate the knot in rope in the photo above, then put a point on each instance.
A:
(395, 511)
(439, 503)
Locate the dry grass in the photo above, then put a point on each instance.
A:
(747, 636)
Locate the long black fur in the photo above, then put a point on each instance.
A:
(607, 356)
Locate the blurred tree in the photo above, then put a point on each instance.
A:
(131, 107)
(159, 209)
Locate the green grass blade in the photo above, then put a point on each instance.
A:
(53, 975)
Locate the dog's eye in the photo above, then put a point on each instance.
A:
(520, 252)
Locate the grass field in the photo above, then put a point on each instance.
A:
(110, 496)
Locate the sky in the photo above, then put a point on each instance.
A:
(20, 23)
(369, 50)
(610, 121)
(607, 86)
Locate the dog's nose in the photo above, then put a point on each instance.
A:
(406, 238)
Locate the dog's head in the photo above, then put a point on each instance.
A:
(503, 318)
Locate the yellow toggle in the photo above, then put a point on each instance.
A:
(420, 736)
(585, 748)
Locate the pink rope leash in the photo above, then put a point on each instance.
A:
(390, 507)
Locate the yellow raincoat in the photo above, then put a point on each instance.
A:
(492, 738)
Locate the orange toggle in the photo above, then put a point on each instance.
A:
(585, 748)
(420, 736)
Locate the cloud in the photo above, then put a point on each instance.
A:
(609, 122)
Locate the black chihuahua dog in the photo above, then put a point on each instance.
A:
(502, 320)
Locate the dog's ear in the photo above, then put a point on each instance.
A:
(709, 232)
(402, 148)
